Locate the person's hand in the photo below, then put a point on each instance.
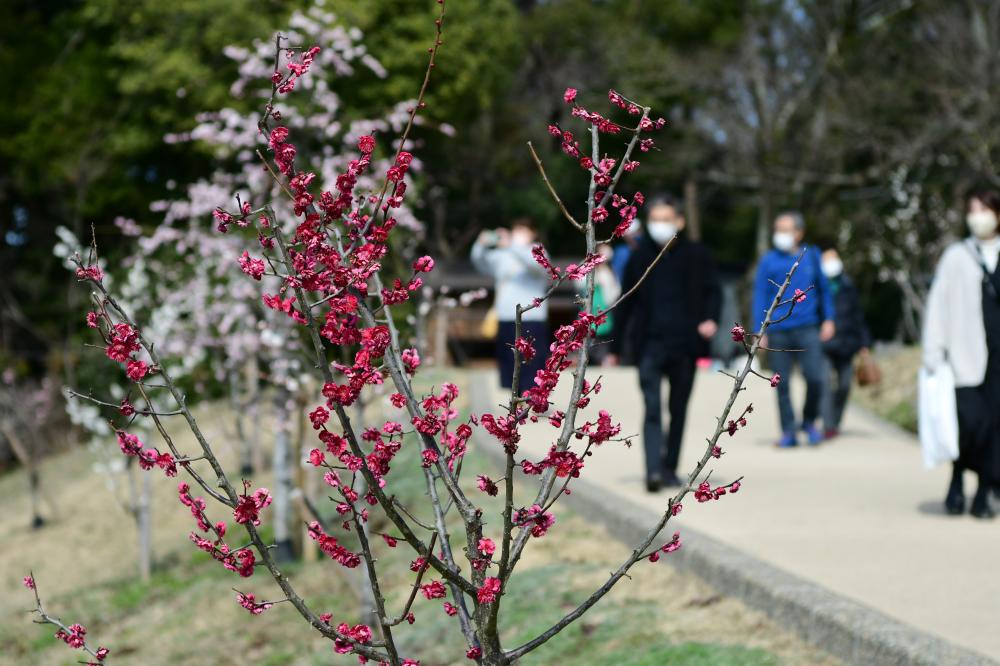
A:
(610, 361)
(827, 330)
(707, 329)
(763, 342)
(503, 237)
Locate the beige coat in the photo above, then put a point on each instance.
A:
(953, 320)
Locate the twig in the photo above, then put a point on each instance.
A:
(413, 592)
(552, 190)
(100, 654)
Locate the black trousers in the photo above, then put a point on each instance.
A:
(978, 436)
(838, 391)
(655, 363)
(538, 333)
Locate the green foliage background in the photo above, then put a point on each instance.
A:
(814, 104)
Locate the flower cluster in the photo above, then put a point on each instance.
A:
(329, 545)
(74, 637)
(240, 561)
(487, 485)
(131, 446)
(667, 548)
(627, 210)
(706, 492)
(249, 602)
(433, 590)
(359, 633)
(490, 589)
(252, 267)
(250, 505)
(296, 69)
(91, 273)
(123, 342)
(539, 520)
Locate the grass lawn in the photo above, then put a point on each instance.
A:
(895, 397)
(187, 613)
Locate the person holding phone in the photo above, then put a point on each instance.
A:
(505, 255)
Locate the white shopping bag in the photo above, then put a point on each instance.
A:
(937, 418)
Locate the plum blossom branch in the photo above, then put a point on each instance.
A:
(73, 635)
(230, 498)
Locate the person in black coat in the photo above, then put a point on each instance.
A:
(851, 338)
(664, 327)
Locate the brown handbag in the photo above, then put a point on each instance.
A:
(867, 371)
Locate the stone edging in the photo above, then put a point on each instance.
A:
(845, 628)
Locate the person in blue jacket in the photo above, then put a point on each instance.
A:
(801, 335)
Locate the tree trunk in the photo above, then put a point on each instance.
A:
(26, 456)
(253, 384)
(281, 465)
(691, 209)
(144, 523)
(765, 217)
(139, 508)
(236, 403)
(439, 357)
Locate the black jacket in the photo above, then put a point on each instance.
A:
(701, 297)
(852, 331)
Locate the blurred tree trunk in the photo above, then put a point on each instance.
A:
(243, 442)
(140, 496)
(281, 466)
(691, 209)
(27, 456)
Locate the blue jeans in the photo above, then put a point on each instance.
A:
(813, 364)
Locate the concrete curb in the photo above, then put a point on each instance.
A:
(845, 628)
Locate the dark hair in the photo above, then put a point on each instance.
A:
(524, 221)
(665, 199)
(989, 198)
(797, 218)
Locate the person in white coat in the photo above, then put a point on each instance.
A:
(962, 329)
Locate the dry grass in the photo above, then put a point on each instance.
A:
(895, 397)
(187, 614)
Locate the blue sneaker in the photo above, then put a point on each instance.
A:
(815, 436)
(788, 440)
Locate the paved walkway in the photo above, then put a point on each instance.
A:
(859, 516)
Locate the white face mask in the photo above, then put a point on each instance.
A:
(661, 232)
(832, 267)
(783, 240)
(982, 224)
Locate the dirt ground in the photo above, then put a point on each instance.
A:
(84, 562)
